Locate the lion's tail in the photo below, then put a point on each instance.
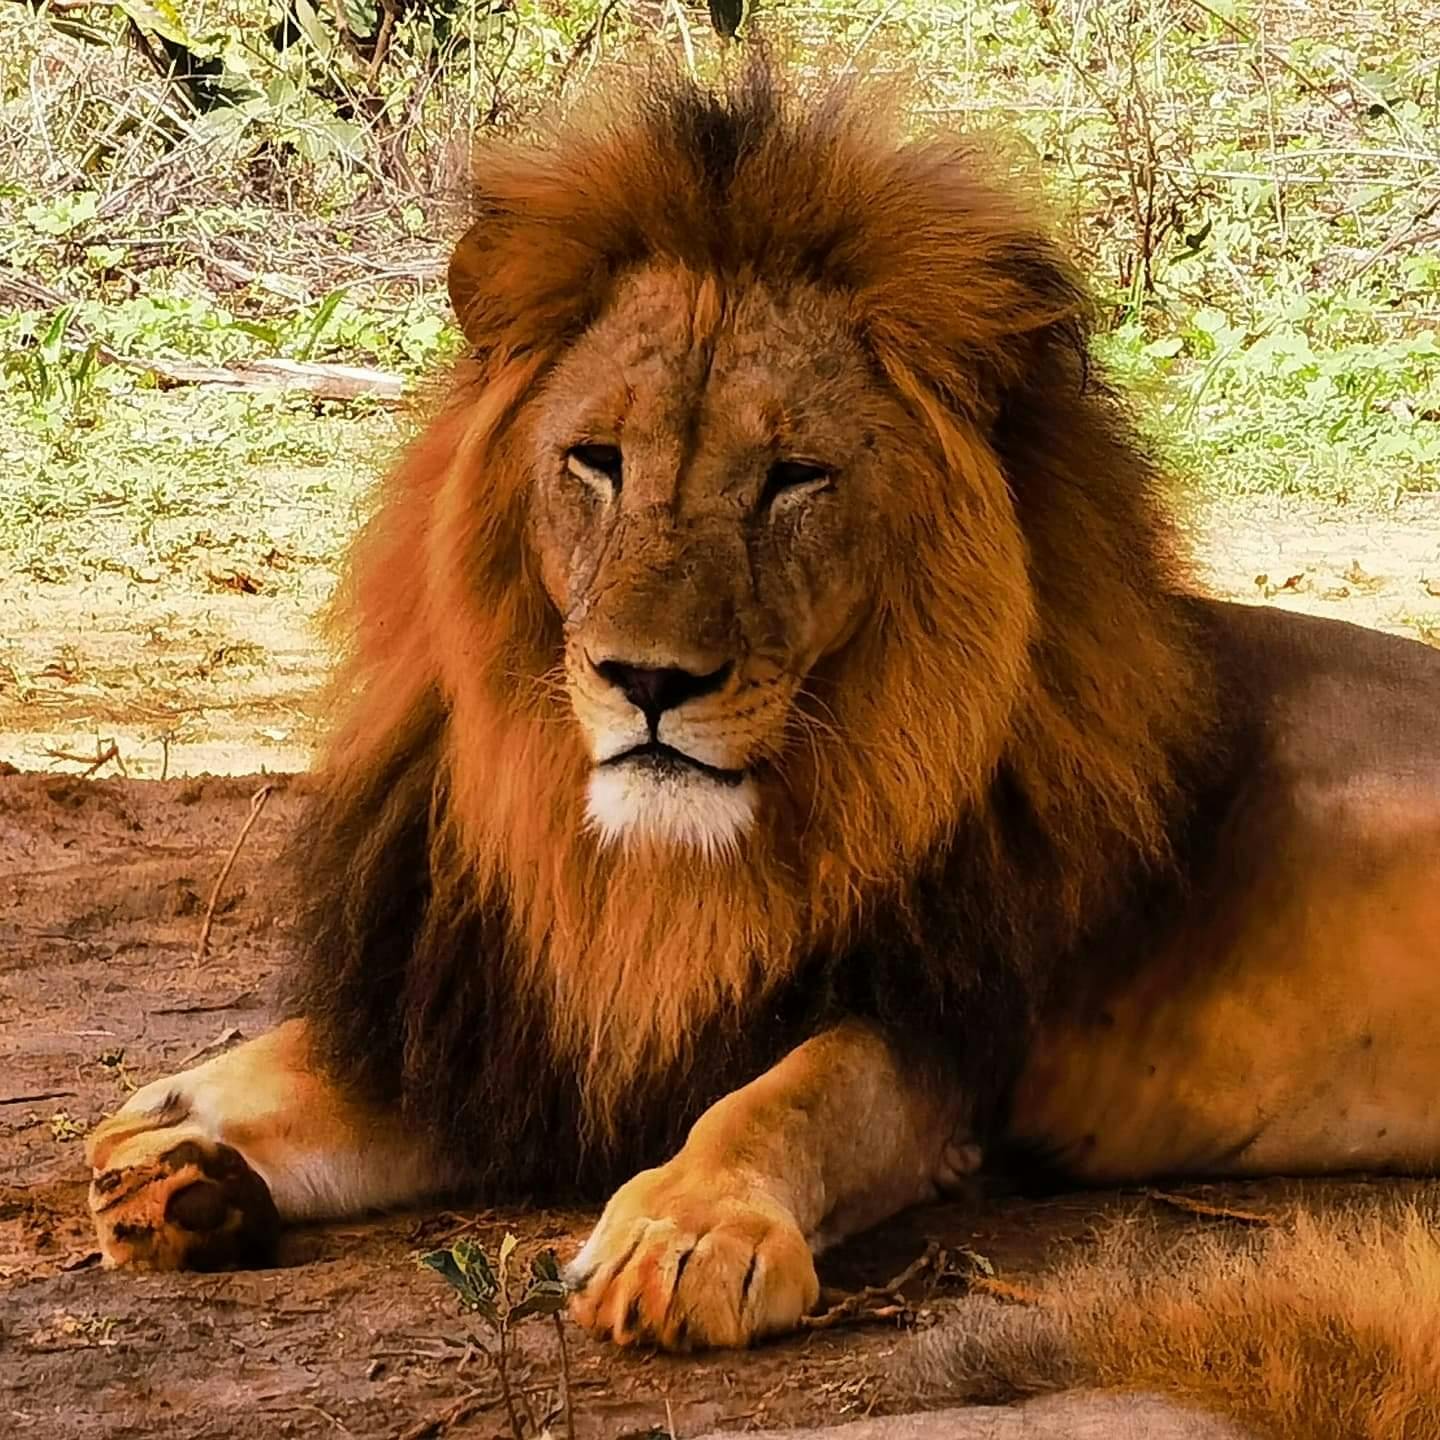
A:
(1318, 1330)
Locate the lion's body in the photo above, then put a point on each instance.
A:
(778, 717)
(1282, 1019)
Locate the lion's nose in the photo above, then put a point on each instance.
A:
(654, 690)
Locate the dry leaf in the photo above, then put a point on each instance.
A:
(224, 1038)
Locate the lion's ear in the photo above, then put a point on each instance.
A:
(519, 282)
(1051, 313)
(463, 279)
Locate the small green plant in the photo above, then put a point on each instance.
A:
(504, 1298)
(57, 377)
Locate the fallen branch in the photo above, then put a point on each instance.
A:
(455, 1414)
(91, 763)
(887, 1303)
(257, 804)
(240, 1002)
(323, 381)
(1203, 1210)
(877, 1302)
(311, 377)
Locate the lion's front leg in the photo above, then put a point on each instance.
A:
(715, 1247)
(200, 1170)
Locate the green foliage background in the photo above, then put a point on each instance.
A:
(1253, 184)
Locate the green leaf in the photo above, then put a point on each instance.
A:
(470, 1257)
(727, 16)
(547, 1293)
(61, 216)
(443, 1263)
(52, 342)
(328, 306)
(545, 1269)
(507, 1250)
(160, 16)
(468, 1272)
(311, 28)
(1165, 347)
(361, 16)
(545, 1299)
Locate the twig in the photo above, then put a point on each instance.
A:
(235, 1004)
(342, 24)
(326, 1415)
(257, 804)
(32, 1099)
(224, 1038)
(321, 379)
(588, 37)
(1203, 1210)
(382, 43)
(1412, 234)
(455, 1414)
(881, 17)
(501, 1367)
(861, 1309)
(686, 43)
(565, 1380)
(1242, 33)
(92, 764)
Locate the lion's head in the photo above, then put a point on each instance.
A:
(773, 542)
(713, 516)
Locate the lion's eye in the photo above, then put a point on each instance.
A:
(598, 466)
(786, 476)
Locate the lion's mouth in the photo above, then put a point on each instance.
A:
(666, 762)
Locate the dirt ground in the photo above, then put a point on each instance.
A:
(103, 885)
(216, 666)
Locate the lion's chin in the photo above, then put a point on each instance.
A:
(636, 806)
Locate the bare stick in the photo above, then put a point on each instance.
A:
(92, 764)
(455, 1414)
(257, 804)
(501, 1362)
(862, 1308)
(32, 1099)
(565, 1378)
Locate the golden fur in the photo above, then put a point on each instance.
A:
(1322, 1329)
(1013, 873)
(1064, 695)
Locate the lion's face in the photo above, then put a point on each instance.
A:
(707, 524)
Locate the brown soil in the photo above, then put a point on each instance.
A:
(103, 885)
(215, 667)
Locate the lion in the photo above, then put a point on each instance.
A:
(786, 764)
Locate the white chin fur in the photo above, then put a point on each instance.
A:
(631, 805)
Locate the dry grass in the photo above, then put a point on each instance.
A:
(1325, 1329)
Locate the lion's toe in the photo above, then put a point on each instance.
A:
(690, 1280)
(173, 1199)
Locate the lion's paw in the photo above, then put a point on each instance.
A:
(685, 1260)
(168, 1197)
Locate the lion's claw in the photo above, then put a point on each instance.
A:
(683, 1263)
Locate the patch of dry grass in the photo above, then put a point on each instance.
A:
(1325, 1329)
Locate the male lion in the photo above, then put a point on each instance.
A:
(785, 752)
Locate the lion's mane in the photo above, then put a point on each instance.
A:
(1001, 781)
